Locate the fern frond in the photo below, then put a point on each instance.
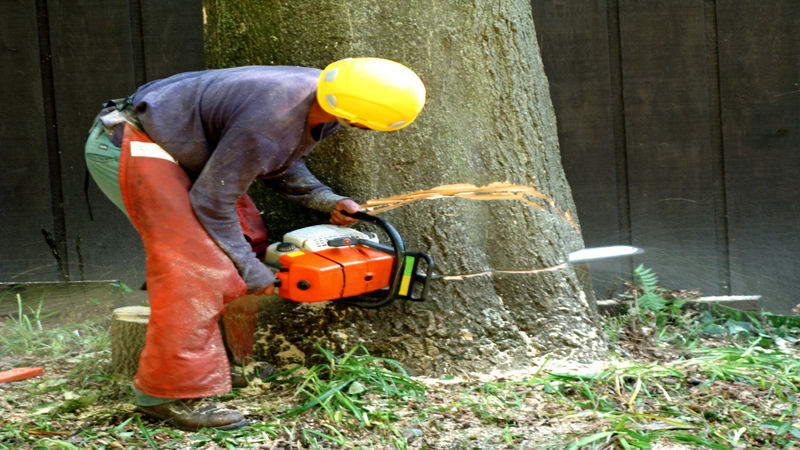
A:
(645, 278)
(652, 302)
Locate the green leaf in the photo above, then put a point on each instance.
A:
(698, 440)
(200, 437)
(652, 302)
(785, 426)
(739, 327)
(590, 439)
(146, 433)
(645, 277)
(639, 437)
(774, 424)
(44, 408)
(314, 402)
(355, 388)
(780, 321)
(713, 328)
(75, 404)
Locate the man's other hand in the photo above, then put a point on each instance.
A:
(337, 218)
(269, 290)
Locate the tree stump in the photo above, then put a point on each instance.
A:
(128, 331)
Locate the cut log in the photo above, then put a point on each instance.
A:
(751, 303)
(609, 308)
(748, 303)
(128, 330)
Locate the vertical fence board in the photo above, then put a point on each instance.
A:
(92, 62)
(24, 188)
(173, 37)
(669, 147)
(573, 37)
(760, 85)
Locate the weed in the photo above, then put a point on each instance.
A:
(718, 397)
(492, 403)
(365, 388)
(25, 335)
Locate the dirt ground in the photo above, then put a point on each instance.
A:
(659, 397)
(450, 419)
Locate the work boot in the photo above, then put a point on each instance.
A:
(196, 413)
(238, 379)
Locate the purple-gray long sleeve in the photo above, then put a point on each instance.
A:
(299, 185)
(229, 127)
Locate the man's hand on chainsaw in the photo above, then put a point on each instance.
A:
(337, 218)
(269, 290)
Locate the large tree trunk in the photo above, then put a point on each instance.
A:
(488, 119)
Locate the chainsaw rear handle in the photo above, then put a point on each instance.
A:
(399, 252)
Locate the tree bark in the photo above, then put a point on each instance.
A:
(508, 294)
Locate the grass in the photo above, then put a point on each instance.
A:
(360, 390)
(25, 334)
(696, 400)
(687, 379)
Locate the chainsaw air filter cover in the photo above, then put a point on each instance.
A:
(316, 238)
(312, 239)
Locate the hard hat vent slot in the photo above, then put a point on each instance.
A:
(331, 75)
(331, 99)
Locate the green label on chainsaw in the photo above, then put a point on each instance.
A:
(408, 270)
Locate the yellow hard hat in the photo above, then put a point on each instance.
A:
(380, 94)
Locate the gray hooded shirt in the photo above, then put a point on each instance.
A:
(229, 127)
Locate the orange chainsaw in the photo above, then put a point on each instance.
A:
(328, 262)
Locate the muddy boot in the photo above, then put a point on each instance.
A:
(238, 379)
(194, 414)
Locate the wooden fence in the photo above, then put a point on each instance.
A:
(60, 61)
(679, 124)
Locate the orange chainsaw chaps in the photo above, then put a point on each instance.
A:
(252, 225)
(189, 278)
(333, 273)
(240, 318)
(239, 324)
